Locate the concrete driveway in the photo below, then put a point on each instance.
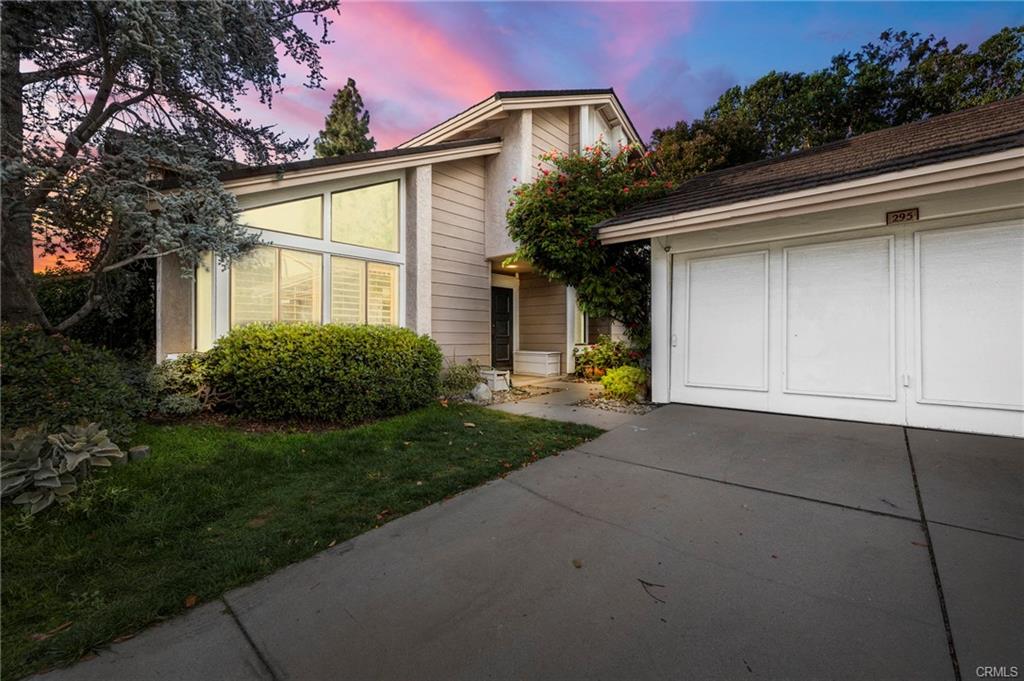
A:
(692, 543)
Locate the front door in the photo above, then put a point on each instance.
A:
(501, 327)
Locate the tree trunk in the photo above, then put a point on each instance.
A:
(16, 282)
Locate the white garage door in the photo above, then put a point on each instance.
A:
(924, 328)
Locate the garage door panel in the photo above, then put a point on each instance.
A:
(839, 319)
(726, 331)
(970, 321)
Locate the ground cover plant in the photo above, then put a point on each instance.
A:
(213, 508)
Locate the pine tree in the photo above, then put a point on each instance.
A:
(347, 126)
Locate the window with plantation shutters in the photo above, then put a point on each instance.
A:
(381, 294)
(348, 291)
(276, 285)
(363, 292)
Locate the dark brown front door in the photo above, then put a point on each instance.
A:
(501, 327)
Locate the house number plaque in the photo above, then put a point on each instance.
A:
(895, 217)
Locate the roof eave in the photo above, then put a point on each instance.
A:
(278, 180)
(1003, 166)
(496, 104)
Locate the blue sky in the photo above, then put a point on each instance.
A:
(418, 63)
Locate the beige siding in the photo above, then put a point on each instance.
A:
(550, 132)
(542, 321)
(574, 130)
(460, 276)
(175, 309)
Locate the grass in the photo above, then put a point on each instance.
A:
(215, 508)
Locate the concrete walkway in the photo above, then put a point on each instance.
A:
(690, 543)
(561, 404)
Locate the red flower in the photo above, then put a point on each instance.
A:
(613, 269)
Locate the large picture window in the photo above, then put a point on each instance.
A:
(276, 285)
(367, 216)
(363, 292)
(304, 217)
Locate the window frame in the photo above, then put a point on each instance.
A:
(323, 246)
(277, 285)
(365, 302)
(323, 224)
(329, 211)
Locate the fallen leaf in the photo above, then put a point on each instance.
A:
(917, 543)
(469, 425)
(191, 600)
(577, 563)
(333, 542)
(123, 638)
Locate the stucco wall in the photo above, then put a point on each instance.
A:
(542, 310)
(174, 308)
(504, 172)
(460, 274)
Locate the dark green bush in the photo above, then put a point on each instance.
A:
(342, 374)
(58, 381)
(180, 386)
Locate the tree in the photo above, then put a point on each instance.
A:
(347, 126)
(900, 79)
(552, 219)
(117, 118)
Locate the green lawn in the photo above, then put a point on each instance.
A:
(214, 508)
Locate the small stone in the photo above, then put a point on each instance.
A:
(481, 393)
(138, 453)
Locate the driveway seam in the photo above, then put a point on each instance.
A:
(976, 530)
(935, 565)
(252, 644)
(754, 488)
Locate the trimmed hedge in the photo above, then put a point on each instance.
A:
(59, 381)
(337, 373)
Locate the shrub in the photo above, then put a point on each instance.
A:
(457, 380)
(55, 380)
(625, 383)
(180, 386)
(343, 374)
(592, 361)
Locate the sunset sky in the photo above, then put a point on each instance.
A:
(418, 63)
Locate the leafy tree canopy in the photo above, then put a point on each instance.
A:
(102, 99)
(901, 78)
(347, 126)
(552, 220)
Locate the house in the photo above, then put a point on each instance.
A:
(880, 278)
(413, 236)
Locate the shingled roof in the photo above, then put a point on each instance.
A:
(972, 132)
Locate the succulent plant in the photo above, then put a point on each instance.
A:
(86, 443)
(30, 473)
(37, 469)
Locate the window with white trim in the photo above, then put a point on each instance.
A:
(276, 285)
(363, 292)
(366, 216)
(303, 217)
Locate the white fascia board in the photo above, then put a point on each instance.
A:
(493, 107)
(976, 171)
(294, 178)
